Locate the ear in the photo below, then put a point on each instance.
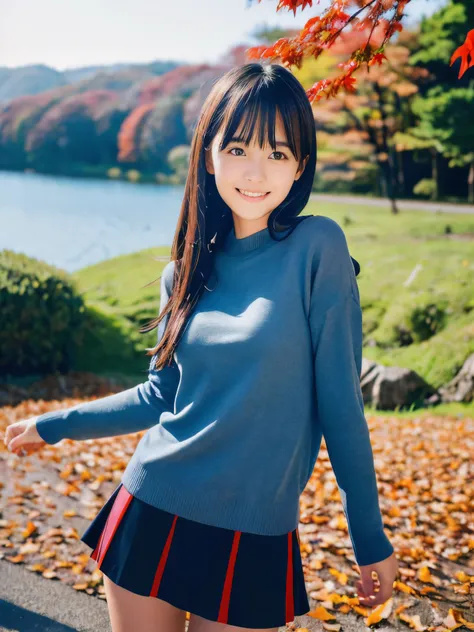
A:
(300, 173)
(208, 158)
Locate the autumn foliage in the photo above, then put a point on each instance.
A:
(50, 497)
(373, 22)
(466, 52)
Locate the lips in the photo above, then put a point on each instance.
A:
(253, 198)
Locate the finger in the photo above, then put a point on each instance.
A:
(367, 581)
(8, 435)
(363, 597)
(11, 432)
(378, 597)
(375, 600)
(15, 443)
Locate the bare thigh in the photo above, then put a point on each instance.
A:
(198, 624)
(130, 612)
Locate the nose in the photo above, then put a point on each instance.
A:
(254, 171)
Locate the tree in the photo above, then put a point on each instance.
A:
(66, 132)
(372, 25)
(445, 105)
(446, 117)
(321, 32)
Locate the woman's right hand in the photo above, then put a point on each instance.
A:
(22, 437)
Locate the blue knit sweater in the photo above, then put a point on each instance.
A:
(268, 364)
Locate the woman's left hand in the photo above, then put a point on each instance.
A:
(386, 571)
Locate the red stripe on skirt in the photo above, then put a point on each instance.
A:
(114, 518)
(290, 606)
(225, 599)
(163, 558)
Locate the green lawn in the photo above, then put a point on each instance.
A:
(427, 326)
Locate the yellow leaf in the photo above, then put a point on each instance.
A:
(425, 575)
(413, 621)
(380, 612)
(342, 578)
(322, 614)
(69, 513)
(30, 528)
(404, 588)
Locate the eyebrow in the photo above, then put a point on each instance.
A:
(279, 143)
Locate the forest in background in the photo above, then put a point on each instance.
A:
(406, 132)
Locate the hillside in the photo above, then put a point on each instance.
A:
(415, 289)
(36, 78)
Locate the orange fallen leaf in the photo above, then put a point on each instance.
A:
(69, 513)
(383, 611)
(30, 528)
(342, 578)
(464, 577)
(322, 614)
(413, 621)
(37, 568)
(456, 620)
(425, 575)
(404, 588)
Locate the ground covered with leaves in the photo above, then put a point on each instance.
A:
(425, 473)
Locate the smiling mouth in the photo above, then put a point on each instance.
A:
(253, 197)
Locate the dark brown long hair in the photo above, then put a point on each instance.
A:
(252, 93)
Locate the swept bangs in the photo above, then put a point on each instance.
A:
(256, 104)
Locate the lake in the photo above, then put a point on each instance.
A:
(72, 223)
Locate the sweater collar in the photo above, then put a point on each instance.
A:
(255, 241)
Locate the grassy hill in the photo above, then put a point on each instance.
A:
(415, 285)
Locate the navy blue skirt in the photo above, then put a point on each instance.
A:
(233, 577)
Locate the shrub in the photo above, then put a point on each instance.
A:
(425, 188)
(42, 317)
(427, 320)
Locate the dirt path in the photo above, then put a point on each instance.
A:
(412, 205)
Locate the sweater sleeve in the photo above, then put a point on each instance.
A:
(337, 335)
(132, 410)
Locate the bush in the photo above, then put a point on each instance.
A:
(42, 317)
(427, 320)
(425, 188)
(178, 158)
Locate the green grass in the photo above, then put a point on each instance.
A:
(453, 409)
(119, 304)
(427, 326)
(389, 248)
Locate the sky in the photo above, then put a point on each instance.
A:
(73, 33)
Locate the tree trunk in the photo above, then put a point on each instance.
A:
(470, 185)
(401, 173)
(435, 174)
(387, 173)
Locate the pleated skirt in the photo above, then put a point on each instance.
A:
(232, 577)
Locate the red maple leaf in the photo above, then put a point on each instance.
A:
(377, 59)
(466, 52)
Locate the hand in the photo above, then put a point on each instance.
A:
(22, 438)
(386, 571)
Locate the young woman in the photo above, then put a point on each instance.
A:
(258, 357)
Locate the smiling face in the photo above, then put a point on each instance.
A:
(241, 171)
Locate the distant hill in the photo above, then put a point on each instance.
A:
(17, 82)
(34, 79)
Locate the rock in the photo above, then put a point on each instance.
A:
(368, 376)
(461, 387)
(391, 387)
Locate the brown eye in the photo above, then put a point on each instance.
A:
(281, 154)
